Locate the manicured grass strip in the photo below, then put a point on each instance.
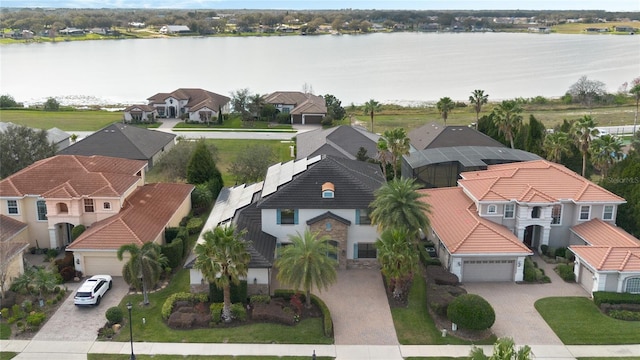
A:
(233, 123)
(5, 331)
(610, 358)
(308, 331)
(197, 357)
(80, 120)
(577, 321)
(6, 355)
(414, 325)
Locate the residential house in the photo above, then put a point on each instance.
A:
(71, 31)
(143, 218)
(325, 194)
(174, 29)
(14, 240)
(140, 113)
(342, 141)
(485, 227)
(57, 137)
(304, 108)
(440, 153)
(191, 104)
(124, 141)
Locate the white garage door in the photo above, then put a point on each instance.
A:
(586, 278)
(487, 270)
(94, 265)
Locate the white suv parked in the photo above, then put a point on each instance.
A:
(93, 289)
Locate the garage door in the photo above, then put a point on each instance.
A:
(586, 278)
(487, 270)
(94, 265)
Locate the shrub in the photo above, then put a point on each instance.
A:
(566, 272)
(561, 252)
(66, 261)
(216, 312)
(529, 270)
(194, 225)
(238, 312)
(170, 234)
(77, 231)
(606, 297)
(544, 249)
(238, 293)
(472, 312)
(441, 276)
(296, 303)
(27, 305)
(35, 319)
(283, 118)
(51, 254)
(4, 313)
(173, 252)
(261, 299)
(167, 307)
(68, 273)
(17, 312)
(327, 322)
(625, 315)
(114, 315)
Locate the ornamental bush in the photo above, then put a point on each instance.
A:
(470, 311)
(566, 272)
(114, 315)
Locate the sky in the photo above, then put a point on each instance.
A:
(608, 5)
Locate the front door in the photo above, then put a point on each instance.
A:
(172, 112)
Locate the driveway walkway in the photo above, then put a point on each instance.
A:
(73, 323)
(359, 309)
(516, 315)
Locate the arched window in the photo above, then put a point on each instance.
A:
(62, 208)
(492, 209)
(633, 285)
(328, 190)
(535, 213)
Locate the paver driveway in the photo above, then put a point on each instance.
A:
(516, 316)
(359, 309)
(73, 323)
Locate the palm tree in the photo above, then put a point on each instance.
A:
(398, 259)
(635, 90)
(371, 107)
(144, 267)
(584, 129)
(445, 105)
(383, 155)
(306, 263)
(503, 349)
(508, 119)
(555, 145)
(477, 99)
(397, 143)
(605, 151)
(398, 205)
(223, 259)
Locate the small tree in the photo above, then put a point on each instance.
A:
(51, 105)
(7, 101)
(252, 163)
(201, 168)
(114, 315)
(144, 267)
(21, 146)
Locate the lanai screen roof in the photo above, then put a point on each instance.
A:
(468, 156)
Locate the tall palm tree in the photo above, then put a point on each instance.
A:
(397, 143)
(555, 145)
(383, 155)
(371, 107)
(144, 267)
(605, 151)
(223, 259)
(398, 205)
(477, 99)
(306, 263)
(398, 259)
(508, 119)
(445, 105)
(584, 130)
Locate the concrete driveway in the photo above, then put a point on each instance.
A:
(516, 315)
(73, 323)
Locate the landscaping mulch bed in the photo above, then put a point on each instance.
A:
(49, 310)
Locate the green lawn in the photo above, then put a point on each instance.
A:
(577, 321)
(6, 355)
(196, 357)
(414, 325)
(308, 331)
(5, 331)
(235, 123)
(80, 120)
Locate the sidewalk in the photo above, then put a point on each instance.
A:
(52, 350)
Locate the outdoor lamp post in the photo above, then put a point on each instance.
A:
(129, 306)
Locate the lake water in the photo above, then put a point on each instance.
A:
(406, 68)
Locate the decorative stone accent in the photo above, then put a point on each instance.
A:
(338, 232)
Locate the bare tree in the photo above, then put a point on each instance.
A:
(587, 91)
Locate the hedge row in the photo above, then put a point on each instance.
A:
(238, 293)
(425, 258)
(167, 307)
(174, 253)
(606, 297)
(566, 272)
(327, 323)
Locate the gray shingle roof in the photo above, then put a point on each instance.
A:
(434, 135)
(344, 141)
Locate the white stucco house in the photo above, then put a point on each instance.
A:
(192, 104)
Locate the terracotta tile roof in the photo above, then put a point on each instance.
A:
(533, 181)
(303, 103)
(74, 175)
(604, 258)
(9, 250)
(10, 227)
(144, 216)
(454, 218)
(599, 233)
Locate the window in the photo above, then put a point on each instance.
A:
(287, 216)
(41, 205)
(327, 226)
(607, 213)
(106, 205)
(535, 212)
(328, 190)
(509, 211)
(62, 208)
(366, 251)
(88, 205)
(160, 111)
(633, 286)
(556, 214)
(327, 194)
(492, 209)
(362, 217)
(12, 207)
(333, 254)
(585, 211)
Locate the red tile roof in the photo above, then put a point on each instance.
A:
(73, 176)
(10, 227)
(537, 181)
(599, 233)
(144, 216)
(455, 219)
